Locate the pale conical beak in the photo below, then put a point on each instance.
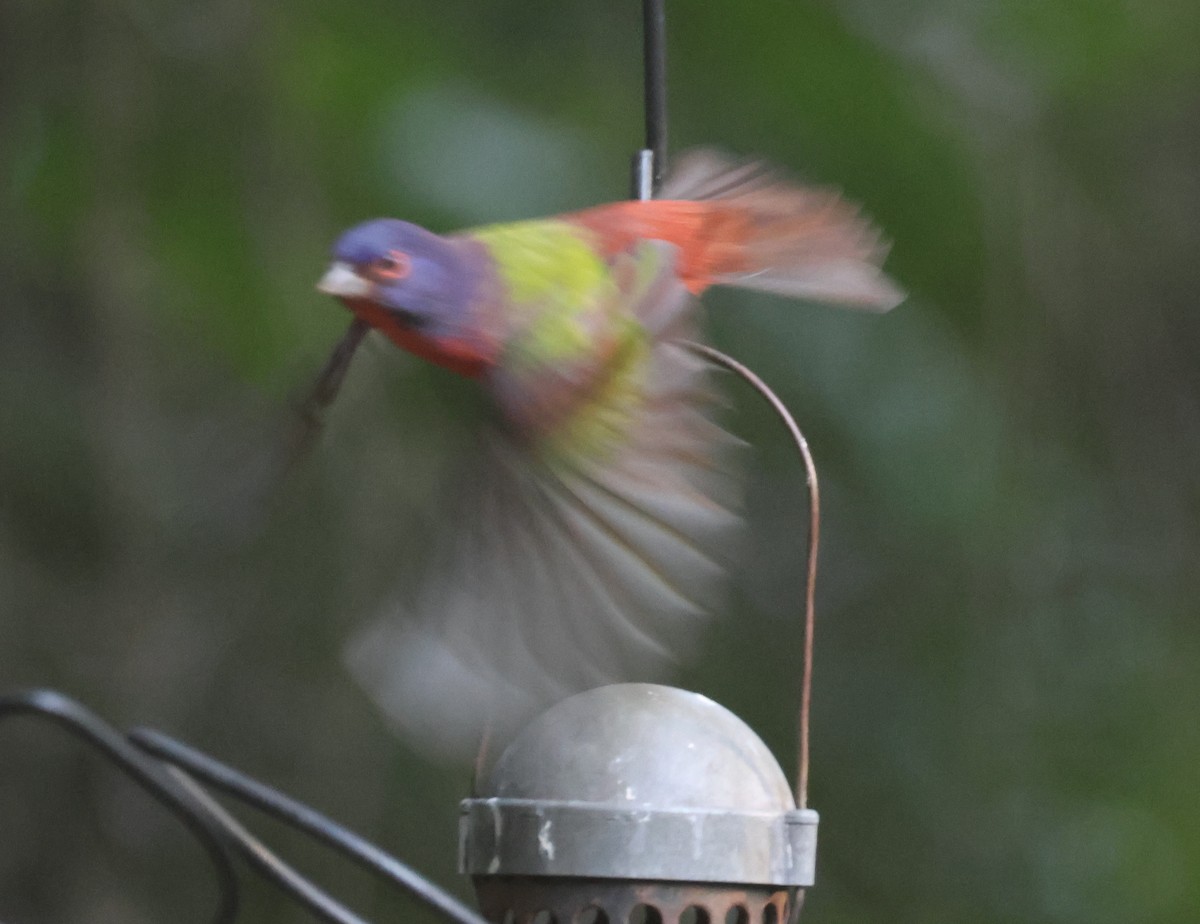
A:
(341, 280)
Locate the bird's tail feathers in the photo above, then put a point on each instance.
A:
(758, 230)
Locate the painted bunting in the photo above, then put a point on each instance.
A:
(591, 532)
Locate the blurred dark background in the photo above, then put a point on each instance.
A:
(1008, 654)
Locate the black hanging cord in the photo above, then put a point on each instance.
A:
(146, 772)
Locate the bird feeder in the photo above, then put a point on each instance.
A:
(627, 804)
(637, 803)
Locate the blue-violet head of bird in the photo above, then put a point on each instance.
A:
(403, 268)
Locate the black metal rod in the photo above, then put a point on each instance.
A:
(266, 862)
(312, 822)
(654, 53)
(145, 772)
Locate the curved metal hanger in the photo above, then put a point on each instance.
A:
(147, 773)
(194, 765)
(649, 165)
(172, 773)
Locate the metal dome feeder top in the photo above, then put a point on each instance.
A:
(639, 781)
(644, 783)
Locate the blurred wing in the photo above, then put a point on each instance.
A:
(587, 544)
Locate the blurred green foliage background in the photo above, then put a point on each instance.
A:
(1008, 654)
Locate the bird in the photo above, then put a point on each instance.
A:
(591, 527)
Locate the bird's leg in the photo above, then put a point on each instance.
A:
(324, 391)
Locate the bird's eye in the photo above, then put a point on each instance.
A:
(393, 265)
